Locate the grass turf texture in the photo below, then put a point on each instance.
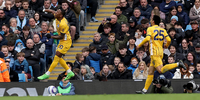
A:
(111, 97)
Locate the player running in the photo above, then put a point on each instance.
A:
(155, 36)
(63, 46)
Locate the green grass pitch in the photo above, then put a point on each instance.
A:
(111, 97)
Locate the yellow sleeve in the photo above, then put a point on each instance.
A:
(64, 29)
(167, 38)
(147, 39)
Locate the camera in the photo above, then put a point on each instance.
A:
(162, 80)
(191, 86)
(108, 19)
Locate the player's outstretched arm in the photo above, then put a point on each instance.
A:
(147, 39)
(50, 11)
(61, 36)
(168, 42)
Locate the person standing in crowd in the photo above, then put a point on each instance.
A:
(4, 75)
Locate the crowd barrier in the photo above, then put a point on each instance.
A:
(83, 87)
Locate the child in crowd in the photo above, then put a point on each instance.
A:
(19, 45)
(141, 72)
(170, 61)
(55, 41)
(191, 68)
(85, 52)
(134, 64)
(138, 35)
(104, 35)
(79, 61)
(116, 61)
(92, 69)
(12, 52)
(21, 65)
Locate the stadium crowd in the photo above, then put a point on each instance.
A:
(112, 54)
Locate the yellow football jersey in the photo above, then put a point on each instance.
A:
(155, 36)
(63, 28)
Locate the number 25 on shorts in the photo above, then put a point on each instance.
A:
(159, 35)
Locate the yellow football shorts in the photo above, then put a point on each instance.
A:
(156, 60)
(63, 47)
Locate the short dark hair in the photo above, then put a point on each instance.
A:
(188, 34)
(122, 46)
(141, 49)
(178, 23)
(78, 56)
(121, 63)
(85, 49)
(118, 8)
(26, 28)
(107, 26)
(172, 29)
(132, 37)
(92, 68)
(70, 64)
(6, 25)
(172, 56)
(11, 43)
(139, 27)
(127, 24)
(156, 19)
(92, 48)
(144, 21)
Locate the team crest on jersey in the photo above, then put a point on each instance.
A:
(58, 25)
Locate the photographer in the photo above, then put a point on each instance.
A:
(161, 85)
(191, 87)
(115, 27)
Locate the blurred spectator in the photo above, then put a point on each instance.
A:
(93, 59)
(175, 38)
(137, 15)
(146, 48)
(35, 4)
(21, 19)
(126, 10)
(34, 29)
(185, 47)
(93, 71)
(117, 60)
(18, 5)
(3, 40)
(133, 65)
(120, 17)
(179, 29)
(172, 12)
(13, 26)
(9, 35)
(83, 4)
(196, 72)
(188, 4)
(132, 23)
(124, 30)
(41, 47)
(4, 75)
(192, 68)
(93, 4)
(4, 49)
(104, 35)
(163, 25)
(177, 56)
(104, 74)
(183, 74)
(195, 32)
(106, 56)
(197, 52)
(141, 55)
(3, 18)
(48, 41)
(194, 12)
(55, 5)
(2, 4)
(124, 55)
(132, 47)
(141, 71)
(71, 18)
(156, 12)
(97, 42)
(65, 87)
(9, 10)
(21, 66)
(32, 56)
(45, 16)
(182, 14)
(29, 13)
(85, 73)
(113, 44)
(167, 74)
(166, 5)
(191, 59)
(173, 20)
(156, 3)
(136, 3)
(138, 35)
(25, 35)
(85, 52)
(145, 24)
(55, 41)
(13, 75)
(11, 49)
(115, 27)
(145, 9)
(171, 60)
(79, 61)
(121, 72)
(19, 45)
(37, 18)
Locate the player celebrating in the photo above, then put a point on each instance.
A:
(63, 46)
(155, 36)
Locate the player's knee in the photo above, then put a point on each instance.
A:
(73, 28)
